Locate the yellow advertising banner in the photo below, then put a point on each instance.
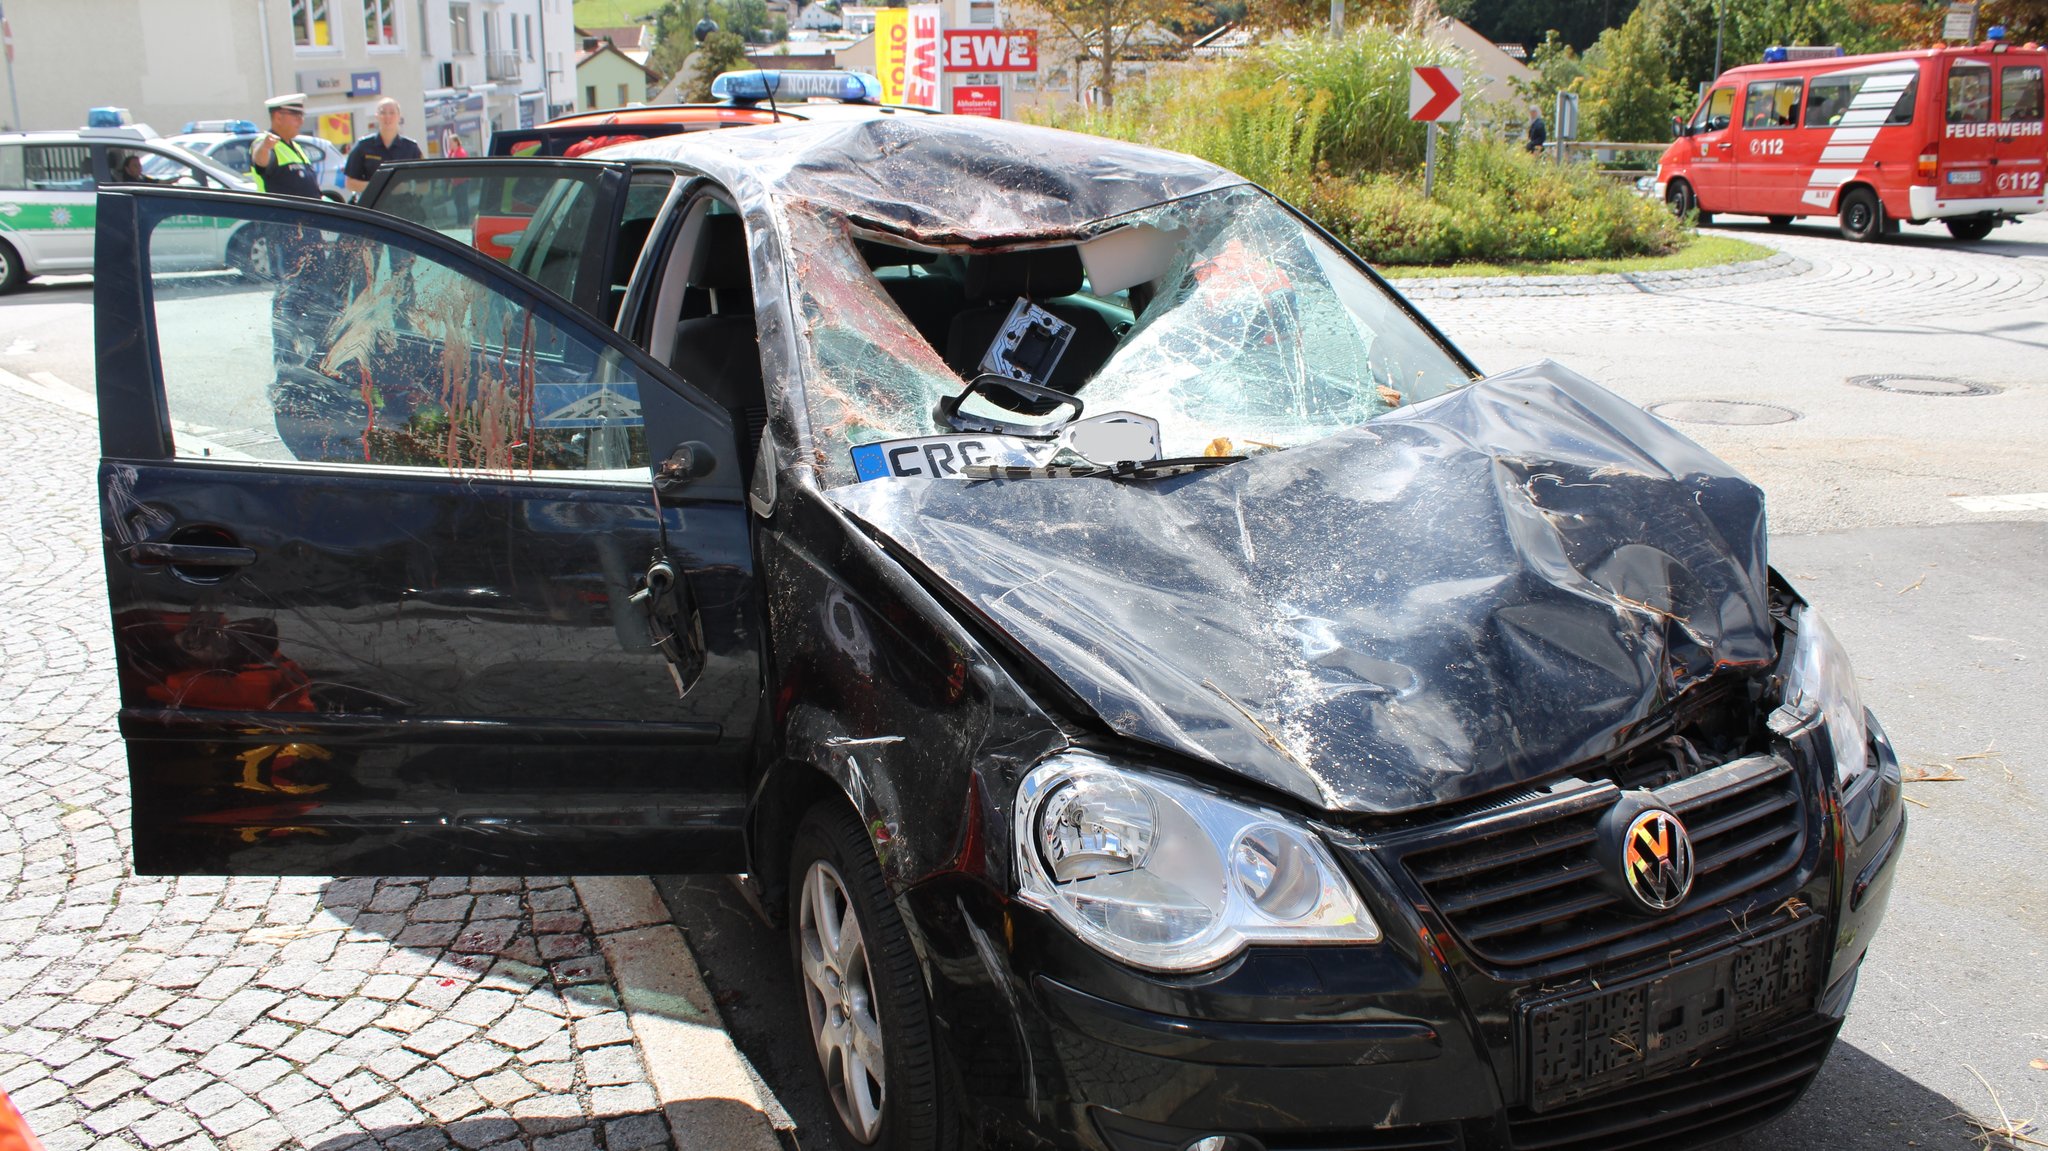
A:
(892, 42)
(338, 129)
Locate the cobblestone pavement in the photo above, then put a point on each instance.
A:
(253, 1014)
(1823, 281)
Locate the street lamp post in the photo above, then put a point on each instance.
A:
(1719, 7)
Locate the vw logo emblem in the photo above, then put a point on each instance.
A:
(1656, 859)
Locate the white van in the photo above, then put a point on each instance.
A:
(49, 182)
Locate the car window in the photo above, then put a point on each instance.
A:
(51, 168)
(1771, 104)
(1969, 92)
(496, 212)
(233, 155)
(1221, 316)
(342, 348)
(2019, 93)
(1855, 100)
(1714, 111)
(153, 168)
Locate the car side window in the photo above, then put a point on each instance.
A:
(1771, 104)
(1714, 111)
(233, 155)
(2019, 93)
(1969, 92)
(1853, 101)
(345, 347)
(57, 168)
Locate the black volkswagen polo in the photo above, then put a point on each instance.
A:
(1176, 703)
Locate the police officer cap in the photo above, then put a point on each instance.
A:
(295, 101)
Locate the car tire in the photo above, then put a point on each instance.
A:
(249, 253)
(11, 274)
(864, 994)
(1778, 222)
(1970, 228)
(1862, 217)
(1683, 203)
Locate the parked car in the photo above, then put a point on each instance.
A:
(231, 151)
(48, 182)
(1171, 698)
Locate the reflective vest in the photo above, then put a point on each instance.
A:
(292, 163)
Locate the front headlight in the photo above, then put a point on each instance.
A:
(1819, 684)
(1168, 876)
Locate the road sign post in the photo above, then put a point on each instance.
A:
(1435, 95)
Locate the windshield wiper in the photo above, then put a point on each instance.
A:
(1121, 470)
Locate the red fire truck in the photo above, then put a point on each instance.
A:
(1951, 134)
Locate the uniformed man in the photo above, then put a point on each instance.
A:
(385, 144)
(280, 165)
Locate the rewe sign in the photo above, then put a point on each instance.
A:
(992, 50)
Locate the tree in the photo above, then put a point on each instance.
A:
(1107, 30)
(1557, 68)
(1912, 23)
(1578, 22)
(722, 52)
(1314, 15)
(1628, 92)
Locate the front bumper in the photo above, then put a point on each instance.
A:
(1420, 1041)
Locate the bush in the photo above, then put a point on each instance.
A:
(1325, 125)
(1493, 202)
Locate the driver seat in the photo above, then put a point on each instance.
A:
(720, 354)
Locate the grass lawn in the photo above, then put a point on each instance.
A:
(1702, 252)
(611, 13)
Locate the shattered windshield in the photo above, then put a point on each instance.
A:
(1221, 316)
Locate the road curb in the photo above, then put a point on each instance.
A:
(702, 1082)
(1609, 283)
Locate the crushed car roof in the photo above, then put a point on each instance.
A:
(939, 179)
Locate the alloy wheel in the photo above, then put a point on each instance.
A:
(846, 1026)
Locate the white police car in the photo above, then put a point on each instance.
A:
(49, 182)
(228, 142)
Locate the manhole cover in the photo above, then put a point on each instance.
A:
(1924, 385)
(1724, 412)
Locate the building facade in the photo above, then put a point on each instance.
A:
(458, 68)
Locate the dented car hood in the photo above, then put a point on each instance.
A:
(1453, 598)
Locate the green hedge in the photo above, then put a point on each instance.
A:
(1325, 125)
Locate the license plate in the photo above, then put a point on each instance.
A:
(1584, 1044)
(1966, 177)
(942, 457)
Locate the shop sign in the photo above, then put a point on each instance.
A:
(921, 56)
(978, 100)
(992, 50)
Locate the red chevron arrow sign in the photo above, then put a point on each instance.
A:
(1435, 95)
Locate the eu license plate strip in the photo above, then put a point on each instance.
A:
(1592, 1042)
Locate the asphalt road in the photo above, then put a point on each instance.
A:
(1877, 516)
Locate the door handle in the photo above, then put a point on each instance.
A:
(154, 552)
(1725, 144)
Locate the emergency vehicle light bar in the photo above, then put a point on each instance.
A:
(754, 86)
(1803, 52)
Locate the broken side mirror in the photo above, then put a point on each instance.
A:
(674, 623)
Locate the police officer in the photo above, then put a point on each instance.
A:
(374, 149)
(280, 165)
